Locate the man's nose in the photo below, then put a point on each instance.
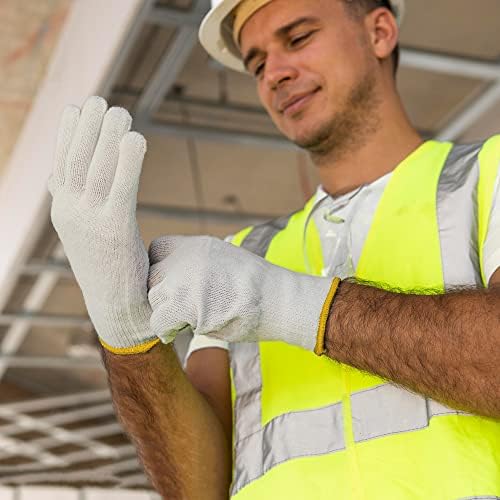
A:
(278, 71)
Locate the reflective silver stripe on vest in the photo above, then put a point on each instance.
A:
(259, 239)
(249, 456)
(376, 412)
(315, 432)
(387, 409)
(457, 216)
(246, 372)
(480, 498)
(248, 382)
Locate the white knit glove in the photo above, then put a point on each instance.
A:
(228, 293)
(94, 188)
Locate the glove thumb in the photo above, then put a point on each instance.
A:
(161, 248)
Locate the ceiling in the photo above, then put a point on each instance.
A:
(30, 30)
(215, 163)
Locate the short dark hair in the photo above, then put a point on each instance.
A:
(362, 7)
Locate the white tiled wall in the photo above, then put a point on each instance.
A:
(44, 493)
(6, 493)
(47, 493)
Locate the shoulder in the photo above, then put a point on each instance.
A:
(492, 144)
(489, 162)
(270, 228)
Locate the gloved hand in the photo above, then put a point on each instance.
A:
(94, 188)
(228, 293)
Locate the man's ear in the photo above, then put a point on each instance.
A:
(383, 31)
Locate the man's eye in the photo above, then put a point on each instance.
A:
(258, 69)
(298, 39)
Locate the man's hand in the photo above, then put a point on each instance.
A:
(94, 187)
(442, 346)
(229, 293)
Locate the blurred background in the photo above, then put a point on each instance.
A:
(215, 164)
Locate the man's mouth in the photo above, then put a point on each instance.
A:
(296, 103)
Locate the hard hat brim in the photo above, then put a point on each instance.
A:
(217, 38)
(218, 43)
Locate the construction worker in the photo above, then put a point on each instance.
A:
(364, 329)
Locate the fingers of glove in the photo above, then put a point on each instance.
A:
(159, 270)
(116, 124)
(166, 326)
(66, 131)
(161, 248)
(128, 171)
(84, 142)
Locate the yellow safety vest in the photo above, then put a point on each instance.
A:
(309, 428)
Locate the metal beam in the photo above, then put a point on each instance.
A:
(209, 216)
(175, 17)
(450, 65)
(471, 114)
(37, 266)
(55, 436)
(47, 320)
(462, 67)
(98, 431)
(14, 447)
(214, 134)
(143, 14)
(77, 399)
(166, 74)
(171, 65)
(74, 458)
(226, 107)
(62, 418)
(51, 362)
(35, 300)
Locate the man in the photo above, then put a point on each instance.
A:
(385, 386)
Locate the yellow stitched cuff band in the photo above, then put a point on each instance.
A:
(136, 349)
(325, 311)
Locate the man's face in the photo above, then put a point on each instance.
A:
(313, 67)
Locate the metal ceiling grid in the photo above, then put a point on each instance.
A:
(74, 439)
(176, 92)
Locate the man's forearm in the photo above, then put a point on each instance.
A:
(443, 346)
(179, 439)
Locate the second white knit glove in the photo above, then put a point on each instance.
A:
(94, 188)
(230, 294)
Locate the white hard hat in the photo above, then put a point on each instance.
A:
(217, 33)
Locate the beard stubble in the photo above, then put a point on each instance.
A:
(349, 128)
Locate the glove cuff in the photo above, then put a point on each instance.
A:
(320, 349)
(137, 349)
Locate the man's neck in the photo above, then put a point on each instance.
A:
(379, 154)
